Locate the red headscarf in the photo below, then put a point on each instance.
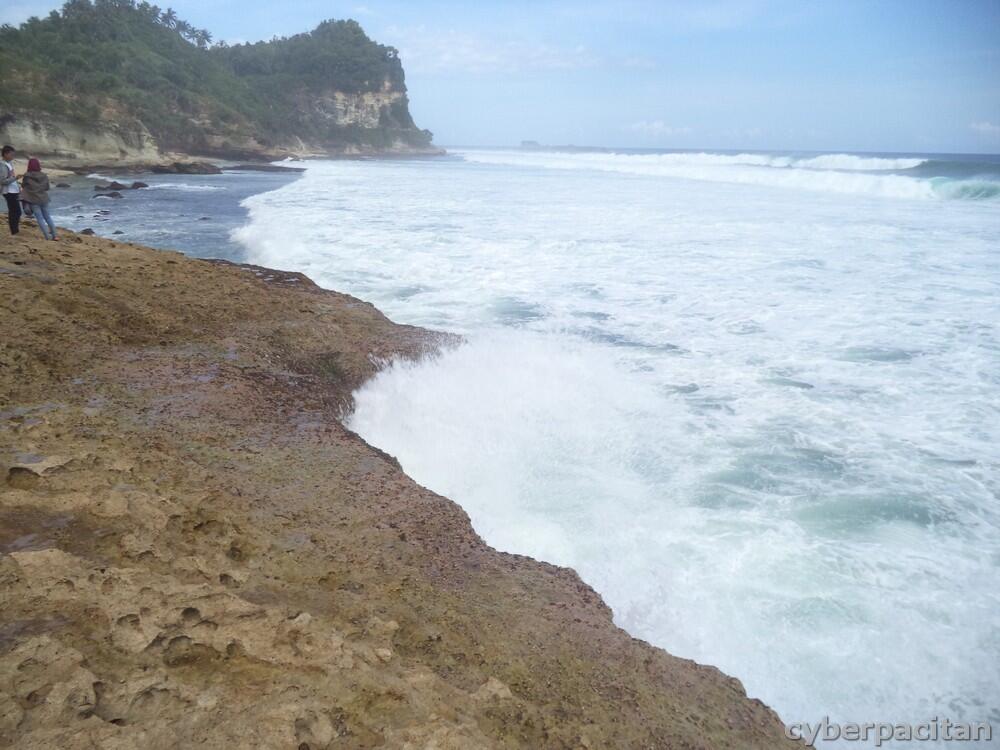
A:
(34, 165)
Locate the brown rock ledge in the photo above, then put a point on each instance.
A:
(195, 552)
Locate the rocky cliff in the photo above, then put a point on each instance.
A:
(119, 80)
(74, 144)
(195, 552)
(67, 143)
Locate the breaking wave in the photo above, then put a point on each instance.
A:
(833, 173)
(184, 186)
(761, 424)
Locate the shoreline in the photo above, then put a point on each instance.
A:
(203, 398)
(60, 165)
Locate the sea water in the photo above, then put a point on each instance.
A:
(192, 213)
(753, 399)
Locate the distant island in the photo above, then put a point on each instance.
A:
(115, 81)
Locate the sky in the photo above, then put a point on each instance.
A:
(845, 75)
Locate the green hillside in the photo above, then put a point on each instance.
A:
(118, 59)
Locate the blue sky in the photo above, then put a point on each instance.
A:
(740, 74)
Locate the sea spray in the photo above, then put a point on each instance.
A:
(760, 420)
(758, 548)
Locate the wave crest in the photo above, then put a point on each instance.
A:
(836, 173)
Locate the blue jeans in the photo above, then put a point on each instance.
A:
(43, 217)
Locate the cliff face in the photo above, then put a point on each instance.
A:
(194, 551)
(368, 110)
(76, 144)
(73, 144)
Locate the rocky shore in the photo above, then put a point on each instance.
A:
(71, 147)
(195, 552)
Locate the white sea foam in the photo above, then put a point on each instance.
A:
(854, 162)
(837, 173)
(195, 188)
(162, 185)
(761, 422)
(846, 162)
(731, 525)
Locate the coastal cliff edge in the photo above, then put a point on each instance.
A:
(195, 551)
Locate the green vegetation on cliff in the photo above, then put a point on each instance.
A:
(121, 61)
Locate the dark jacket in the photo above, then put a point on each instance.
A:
(35, 188)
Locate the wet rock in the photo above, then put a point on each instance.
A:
(88, 231)
(139, 185)
(115, 194)
(110, 186)
(194, 167)
(63, 185)
(264, 168)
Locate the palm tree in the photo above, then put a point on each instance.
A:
(169, 18)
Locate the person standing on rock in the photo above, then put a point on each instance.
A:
(35, 192)
(11, 190)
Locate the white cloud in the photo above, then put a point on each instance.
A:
(657, 129)
(431, 50)
(987, 129)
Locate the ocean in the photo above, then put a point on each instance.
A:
(195, 214)
(753, 399)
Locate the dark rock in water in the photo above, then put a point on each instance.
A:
(118, 231)
(115, 194)
(264, 168)
(88, 231)
(63, 185)
(139, 185)
(195, 167)
(205, 218)
(110, 186)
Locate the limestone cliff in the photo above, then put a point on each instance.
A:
(194, 552)
(101, 82)
(74, 144)
(69, 143)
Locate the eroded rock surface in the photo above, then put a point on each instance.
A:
(195, 552)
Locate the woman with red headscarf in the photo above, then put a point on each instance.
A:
(35, 192)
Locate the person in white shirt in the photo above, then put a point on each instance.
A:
(11, 189)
